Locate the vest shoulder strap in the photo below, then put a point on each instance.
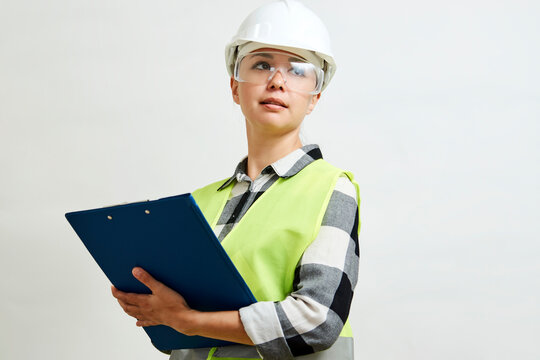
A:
(211, 201)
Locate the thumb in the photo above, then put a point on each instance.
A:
(147, 279)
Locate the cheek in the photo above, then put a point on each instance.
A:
(243, 94)
(246, 93)
(306, 104)
(246, 99)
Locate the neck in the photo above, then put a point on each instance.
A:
(264, 149)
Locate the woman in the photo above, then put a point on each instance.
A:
(288, 219)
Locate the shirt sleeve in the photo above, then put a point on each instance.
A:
(311, 318)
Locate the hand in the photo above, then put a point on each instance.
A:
(163, 306)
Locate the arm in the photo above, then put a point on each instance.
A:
(312, 316)
(165, 306)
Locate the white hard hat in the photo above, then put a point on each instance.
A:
(286, 25)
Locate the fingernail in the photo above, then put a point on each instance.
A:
(137, 272)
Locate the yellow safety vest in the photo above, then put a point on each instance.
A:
(268, 242)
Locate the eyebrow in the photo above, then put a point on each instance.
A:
(296, 59)
(269, 56)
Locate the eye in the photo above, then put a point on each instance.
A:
(262, 65)
(297, 70)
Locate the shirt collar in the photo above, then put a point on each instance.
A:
(287, 166)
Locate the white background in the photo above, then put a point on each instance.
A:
(435, 108)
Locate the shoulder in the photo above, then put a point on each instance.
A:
(323, 165)
(345, 182)
(345, 186)
(343, 210)
(344, 198)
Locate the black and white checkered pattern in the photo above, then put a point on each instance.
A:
(312, 316)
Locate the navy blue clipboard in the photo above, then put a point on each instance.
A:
(171, 239)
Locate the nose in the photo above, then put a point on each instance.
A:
(276, 80)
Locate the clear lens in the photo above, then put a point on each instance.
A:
(298, 74)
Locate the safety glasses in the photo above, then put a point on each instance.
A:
(298, 75)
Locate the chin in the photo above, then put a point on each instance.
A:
(276, 127)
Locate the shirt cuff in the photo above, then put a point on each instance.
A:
(262, 325)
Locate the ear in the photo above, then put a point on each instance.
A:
(234, 90)
(312, 103)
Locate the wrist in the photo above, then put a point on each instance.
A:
(187, 322)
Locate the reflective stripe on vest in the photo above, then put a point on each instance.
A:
(268, 242)
(341, 350)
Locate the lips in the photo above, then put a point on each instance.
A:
(273, 101)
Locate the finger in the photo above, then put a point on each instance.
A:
(122, 304)
(129, 308)
(147, 279)
(146, 323)
(130, 298)
(134, 311)
(117, 293)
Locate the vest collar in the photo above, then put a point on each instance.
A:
(286, 167)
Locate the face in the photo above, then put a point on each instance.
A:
(273, 107)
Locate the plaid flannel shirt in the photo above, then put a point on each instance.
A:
(312, 316)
